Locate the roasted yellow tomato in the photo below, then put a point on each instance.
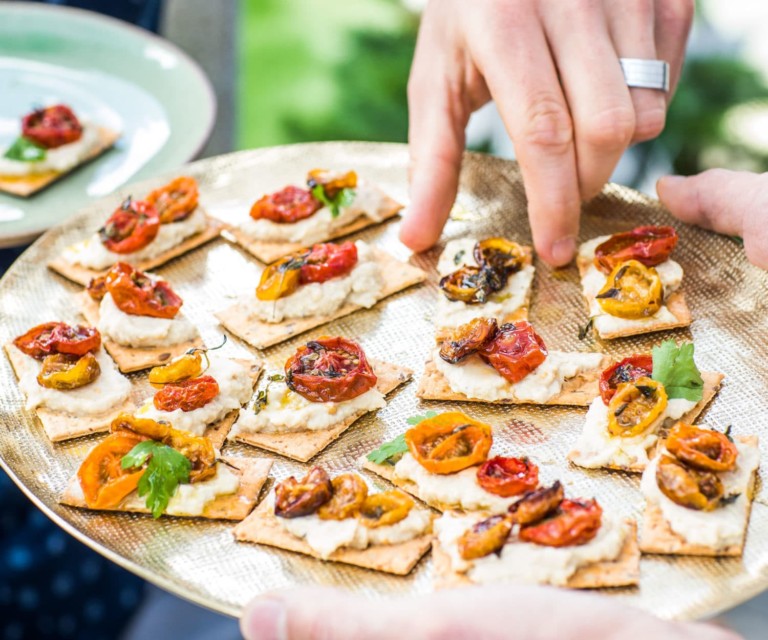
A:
(384, 509)
(349, 493)
(500, 254)
(631, 291)
(190, 365)
(281, 278)
(691, 488)
(63, 371)
(484, 538)
(702, 449)
(635, 406)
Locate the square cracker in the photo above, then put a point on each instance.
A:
(253, 474)
(624, 571)
(675, 303)
(129, 359)
(576, 392)
(658, 537)
(262, 527)
(396, 275)
(269, 251)
(304, 445)
(64, 426)
(25, 186)
(712, 383)
(82, 275)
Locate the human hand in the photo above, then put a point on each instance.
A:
(730, 202)
(552, 67)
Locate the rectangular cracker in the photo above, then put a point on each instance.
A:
(576, 392)
(396, 275)
(622, 572)
(659, 538)
(82, 275)
(129, 359)
(675, 303)
(25, 186)
(712, 381)
(253, 474)
(262, 527)
(304, 445)
(269, 251)
(64, 426)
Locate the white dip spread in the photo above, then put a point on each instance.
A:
(60, 159)
(717, 529)
(109, 390)
(525, 562)
(362, 286)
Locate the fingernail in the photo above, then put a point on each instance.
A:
(563, 250)
(265, 619)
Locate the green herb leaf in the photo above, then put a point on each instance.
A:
(414, 420)
(263, 395)
(24, 150)
(675, 368)
(389, 450)
(343, 198)
(166, 469)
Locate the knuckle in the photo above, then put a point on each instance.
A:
(650, 123)
(677, 14)
(610, 129)
(548, 125)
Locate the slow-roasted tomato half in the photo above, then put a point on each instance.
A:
(281, 278)
(691, 488)
(291, 204)
(537, 504)
(175, 201)
(186, 395)
(51, 127)
(190, 365)
(575, 522)
(58, 337)
(515, 351)
(485, 537)
(97, 288)
(627, 370)
(472, 285)
(328, 260)
(331, 181)
(702, 449)
(62, 371)
(649, 245)
(449, 442)
(136, 294)
(294, 499)
(467, 339)
(635, 406)
(349, 493)
(384, 509)
(508, 477)
(631, 291)
(329, 369)
(499, 254)
(103, 480)
(132, 226)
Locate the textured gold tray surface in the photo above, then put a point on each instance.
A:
(199, 560)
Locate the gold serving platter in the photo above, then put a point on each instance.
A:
(199, 560)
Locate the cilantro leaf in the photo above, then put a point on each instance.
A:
(166, 469)
(24, 150)
(675, 368)
(389, 450)
(343, 198)
(414, 420)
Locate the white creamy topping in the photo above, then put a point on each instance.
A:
(369, 201)
(60, 159)
(717, 529)
(110, 389)
(457, 490)
(287, 411)
(142, 331)
(525, 562)
(361, 286)
(476, 379)
(92, 254)
(235, 389)
(596, 447)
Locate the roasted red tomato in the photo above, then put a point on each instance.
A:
(135, 293)
(58, 337)
(484, 538)
(329, 369)
(649, 245)
(349, 493)
(575, 522)
(186, 395)
(508, 477)
(294, 499)
(467, 339)
(289, 205)
(690, 488)
(703, 449)
(97, 288)
(131, 227)
(449, 442)
(537, 505)
(51, 127)
(515, 351)
(328, 260)
(627, 370)
(176, 200)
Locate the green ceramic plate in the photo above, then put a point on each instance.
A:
(111, 72)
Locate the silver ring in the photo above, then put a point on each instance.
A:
(645, 74)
